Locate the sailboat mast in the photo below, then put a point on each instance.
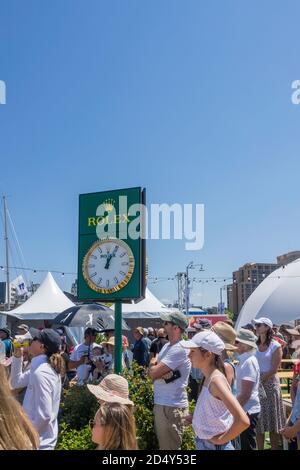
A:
(6, 249)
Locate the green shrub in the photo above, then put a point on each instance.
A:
(141, 393)
(73, 439)
(78, 407)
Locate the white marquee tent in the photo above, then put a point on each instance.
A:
(45, 304)
(149, 307)
(277, 297)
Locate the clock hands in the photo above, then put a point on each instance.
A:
(110, 256)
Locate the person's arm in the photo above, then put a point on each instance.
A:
(229, 371)
(289, 432)
(18, 378)
(169, 363)
(158, 371)
(276, 360)
(43, 402)
(294, 387)
(245, 394)
(72, 364)
(219, 389)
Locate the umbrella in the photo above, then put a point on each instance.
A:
(277, 297)
(89, 315)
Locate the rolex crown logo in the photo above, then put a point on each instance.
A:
(109, 205)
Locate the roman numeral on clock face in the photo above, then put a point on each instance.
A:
(99, 281)
(116, 280)
(99, 249)
(91, 266)
(122, 254)
(124, 263)
(107, 283)
(122, 273)
(93, 256)
(93, 275)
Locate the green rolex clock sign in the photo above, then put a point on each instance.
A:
(111, 251)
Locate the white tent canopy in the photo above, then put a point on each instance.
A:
(44, 304)
(149, 307)
(277, 297)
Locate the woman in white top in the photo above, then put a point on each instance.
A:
(269, 356)
(43, 382)
(218, 417)
(247, 380)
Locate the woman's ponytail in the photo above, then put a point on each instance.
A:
(57, 363)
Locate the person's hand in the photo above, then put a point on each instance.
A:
(18, 352)
(187, 420)
(168, 375)
(287, 433)
(100, 366)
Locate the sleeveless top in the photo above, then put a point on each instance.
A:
(211, 417)
(264, 358)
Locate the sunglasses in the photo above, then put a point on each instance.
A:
(258, 324)
(168, 323)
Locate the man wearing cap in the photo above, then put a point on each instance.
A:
(81, 356)
(5, 338)
(247, 380)
(170, 372)
(140, 350)
(43, 382)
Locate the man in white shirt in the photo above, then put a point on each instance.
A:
(81, 357)
(43, 382)
(247, 382)
(170, 371)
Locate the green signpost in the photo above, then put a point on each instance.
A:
(111, 251)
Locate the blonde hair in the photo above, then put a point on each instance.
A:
(57, 363)
(16, 430)
(119, 422)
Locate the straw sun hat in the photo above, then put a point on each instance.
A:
(226, 333)
(112, 389)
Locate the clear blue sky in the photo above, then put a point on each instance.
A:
(191, 99)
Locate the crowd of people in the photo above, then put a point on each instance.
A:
(231, 376)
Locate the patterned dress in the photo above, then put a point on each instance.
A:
(271, 417)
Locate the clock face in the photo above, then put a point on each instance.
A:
(108, 266)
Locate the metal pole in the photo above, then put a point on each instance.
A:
(178, 289)
(118, 337)
(6, 249)
(187, 289)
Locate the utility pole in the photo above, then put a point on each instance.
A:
(181, 289)
(6, 249)
(191, 265)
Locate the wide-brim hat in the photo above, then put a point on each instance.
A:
(247, 337)
(112, 389)
(226, 333)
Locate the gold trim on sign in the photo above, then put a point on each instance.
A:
(121, 285)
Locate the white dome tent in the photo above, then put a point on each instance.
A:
(45, 304)
(277, 297)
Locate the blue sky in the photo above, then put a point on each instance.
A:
(191, 100)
